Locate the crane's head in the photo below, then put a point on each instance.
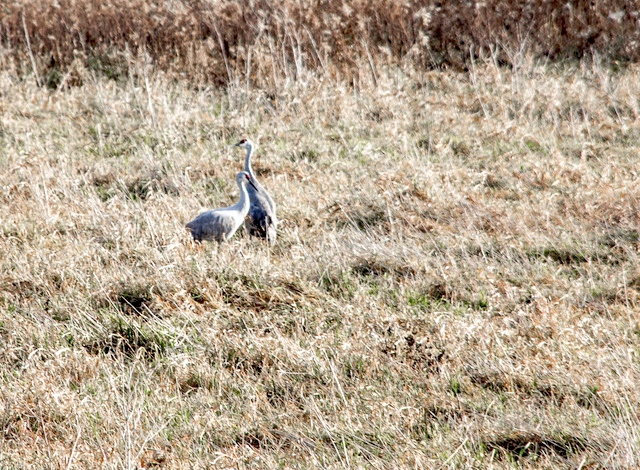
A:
(244, 178)
(245, 143)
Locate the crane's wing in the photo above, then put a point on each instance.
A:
(272, 204)
(211, 225)
(262, 197)
(259, 223)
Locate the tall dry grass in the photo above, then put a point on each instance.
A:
(455, 282)
(223, 42)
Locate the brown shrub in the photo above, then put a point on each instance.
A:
(218, 42)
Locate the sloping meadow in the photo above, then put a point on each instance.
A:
(455, 280)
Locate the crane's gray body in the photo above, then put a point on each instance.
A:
(221, 224)
(261, 221)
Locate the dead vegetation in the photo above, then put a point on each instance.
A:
(455, 282)
(225, 42)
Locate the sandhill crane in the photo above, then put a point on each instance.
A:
(262, 221)
(221, 224)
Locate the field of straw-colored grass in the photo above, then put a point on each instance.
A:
(455, 282)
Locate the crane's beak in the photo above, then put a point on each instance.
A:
(251, 183)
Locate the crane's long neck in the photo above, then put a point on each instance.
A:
(247, 162)
(244, 202)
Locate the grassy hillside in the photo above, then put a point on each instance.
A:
(455, 283)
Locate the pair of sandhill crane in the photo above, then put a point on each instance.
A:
(255, 208)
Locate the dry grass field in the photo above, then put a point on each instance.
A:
(455, 283)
